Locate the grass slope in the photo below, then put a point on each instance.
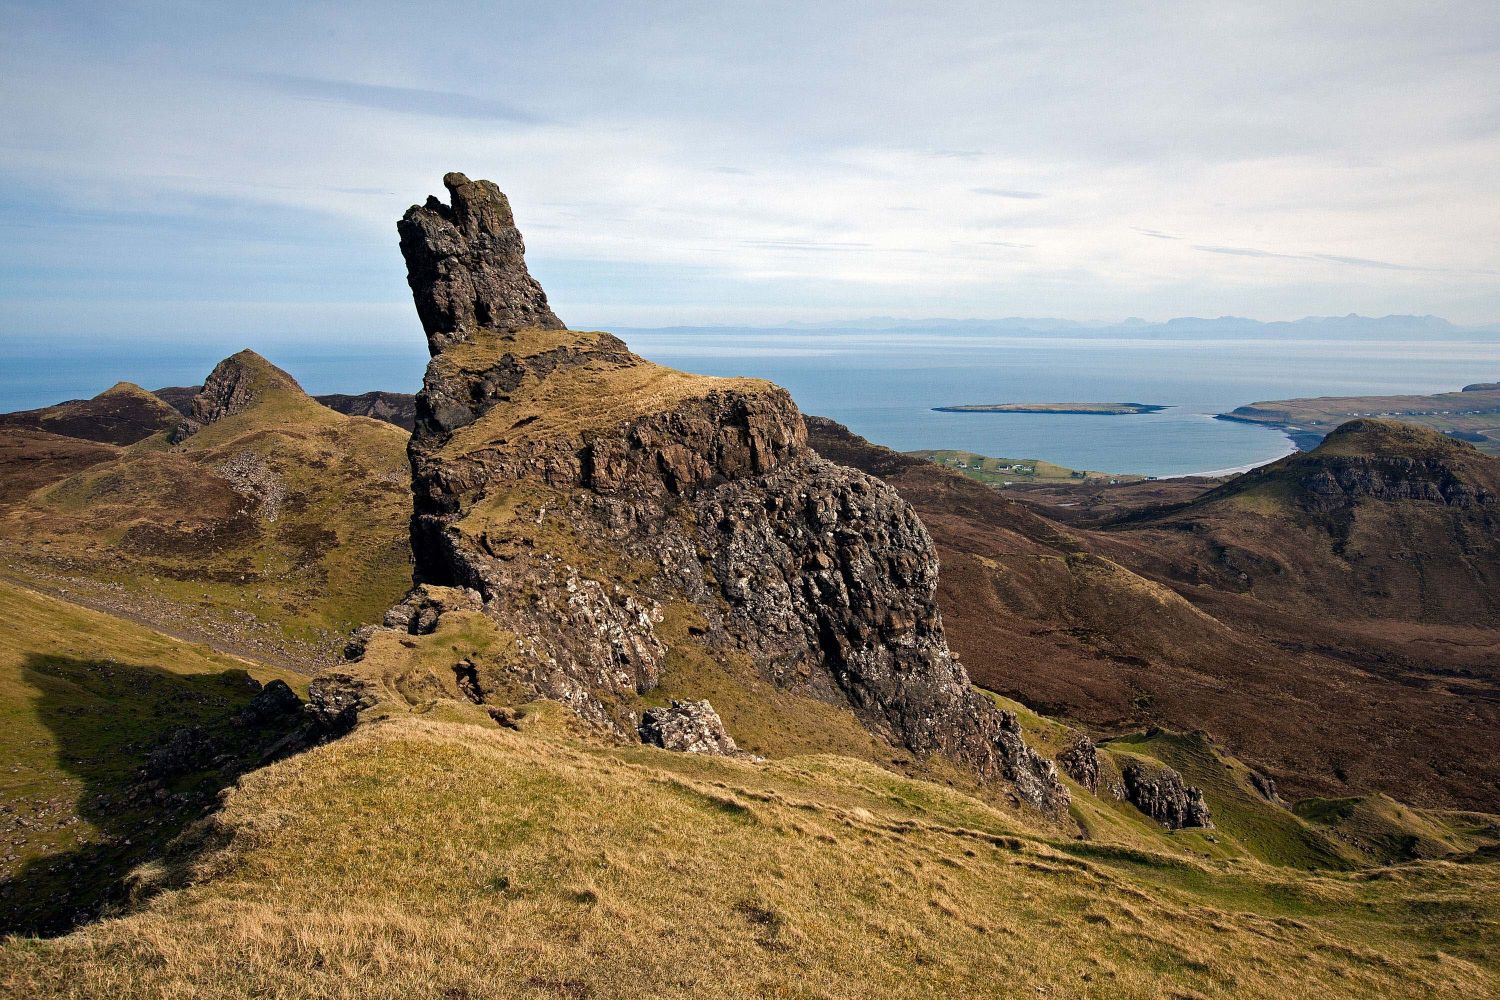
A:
(84, 697)
(426, 857)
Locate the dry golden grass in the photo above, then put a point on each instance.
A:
(426, 857)
(574, 400)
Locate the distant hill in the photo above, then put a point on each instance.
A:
(122, 414)
(259, 514)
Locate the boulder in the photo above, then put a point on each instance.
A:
(687, 727)
(274, 701)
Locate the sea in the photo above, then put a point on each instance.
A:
(884, 383)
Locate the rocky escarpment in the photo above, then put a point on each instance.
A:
(609, 514)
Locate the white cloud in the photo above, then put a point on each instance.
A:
(823, 159)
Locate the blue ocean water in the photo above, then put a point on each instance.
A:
(883, 383)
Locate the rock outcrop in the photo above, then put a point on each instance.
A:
(687, 727)
(1079, 760)
(1159, 792)
(234, 385)
(596, 503)
(466, 264)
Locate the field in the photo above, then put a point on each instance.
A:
(1012, 471)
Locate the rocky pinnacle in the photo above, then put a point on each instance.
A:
(466, 265)
(591, 505)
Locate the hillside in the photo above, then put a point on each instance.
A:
(88, 702)
(399, 408)
(1330, 666)
(1391, 521)
(431, 856)
(261, 518)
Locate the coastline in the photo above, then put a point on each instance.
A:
(1295, 447)
(1304, 439)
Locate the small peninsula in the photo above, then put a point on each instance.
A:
(1471, 414)
(1090, 409)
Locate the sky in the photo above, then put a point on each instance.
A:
(192, 170)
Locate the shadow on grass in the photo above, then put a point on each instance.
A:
(148, 750)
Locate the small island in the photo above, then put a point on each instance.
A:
(1089, 409)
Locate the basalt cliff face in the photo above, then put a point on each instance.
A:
(602, 511)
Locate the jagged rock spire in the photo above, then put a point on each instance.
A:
(466, 265)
